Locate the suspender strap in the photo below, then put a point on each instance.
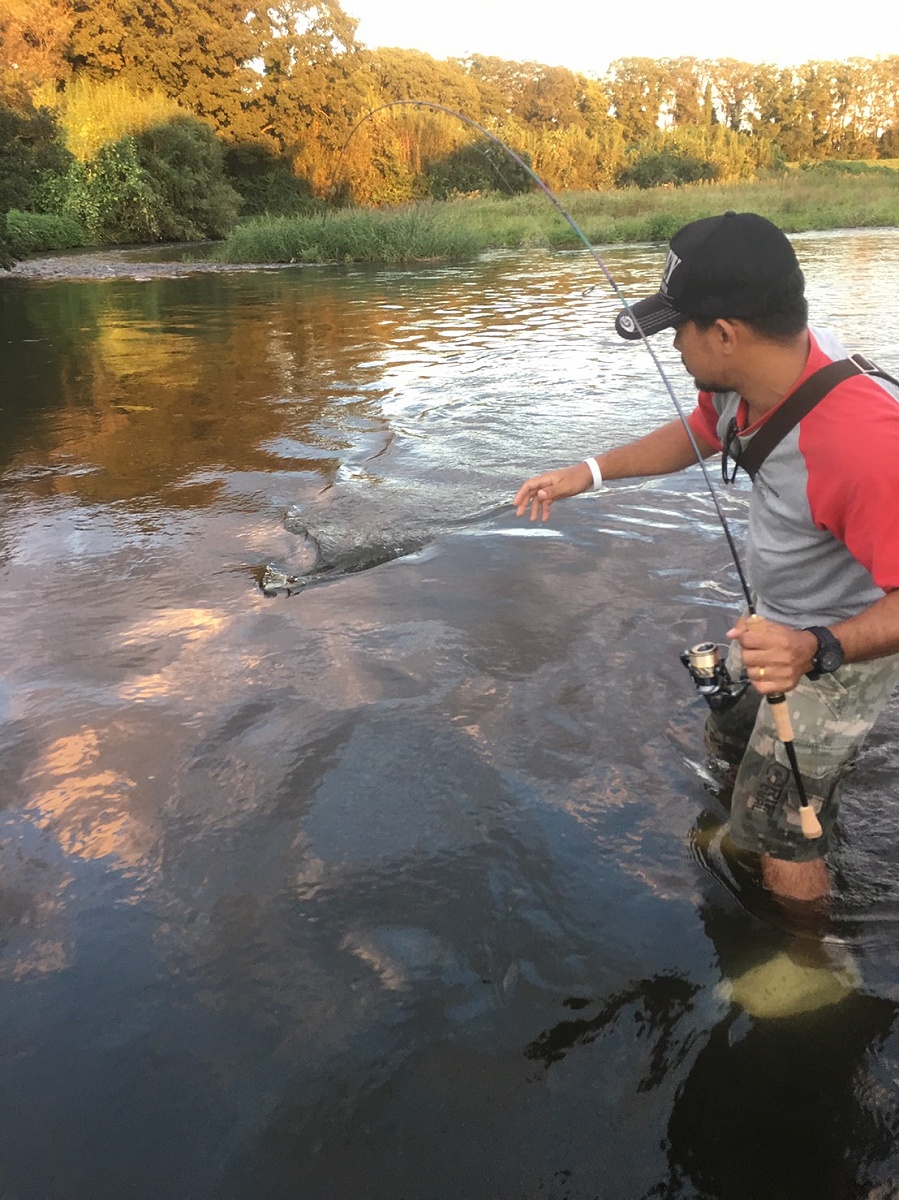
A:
(800, 403)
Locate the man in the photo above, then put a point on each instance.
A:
(823, 543)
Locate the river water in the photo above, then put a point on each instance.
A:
(401, 882)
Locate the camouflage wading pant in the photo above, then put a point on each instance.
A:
(831, 718)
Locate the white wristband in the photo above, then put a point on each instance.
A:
(595, 472)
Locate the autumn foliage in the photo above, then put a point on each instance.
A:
(264, 108)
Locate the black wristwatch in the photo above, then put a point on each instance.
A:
(829, 655)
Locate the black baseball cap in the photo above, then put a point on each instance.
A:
(733, 265)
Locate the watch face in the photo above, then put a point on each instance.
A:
(829, 657)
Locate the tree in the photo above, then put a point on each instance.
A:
(638, 88)
(499, 81)
(852, 126)
(571, 159)
(815, 103)
(886, 104)
(412, 75)
(33, 36)
(777, 111)
(425, 135)
(734, 84)
(690, 91)
(550, 99)
(888, 143)
(196, 51)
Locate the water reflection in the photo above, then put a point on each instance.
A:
(792, 1107)
(386, 889)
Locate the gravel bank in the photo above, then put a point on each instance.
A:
(119, 264)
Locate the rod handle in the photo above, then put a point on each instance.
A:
(781, 714)
(808, 819)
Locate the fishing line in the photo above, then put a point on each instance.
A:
(717, 677)
(554, 200)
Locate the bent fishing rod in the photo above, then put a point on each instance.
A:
(709, 673)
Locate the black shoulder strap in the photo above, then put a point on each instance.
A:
(800, 403)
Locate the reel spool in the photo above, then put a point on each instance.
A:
(711, 677)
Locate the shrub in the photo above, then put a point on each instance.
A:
(30, 233)
(663, 226)
(481, 166)
(266, 182)
(31, 151)
(183, 162)
(112, 196)
(666, 167)
(688, 154)
(7, 258)
(166, 184)
(834, 167)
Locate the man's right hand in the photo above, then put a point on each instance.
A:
(542, 491)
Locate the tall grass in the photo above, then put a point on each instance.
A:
(94, 113)
(410, 234)
(462, 228)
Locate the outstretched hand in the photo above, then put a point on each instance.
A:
(540, 493)
(775, 656)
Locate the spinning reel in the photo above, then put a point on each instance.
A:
(712, 678)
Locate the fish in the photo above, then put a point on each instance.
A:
(338, 548)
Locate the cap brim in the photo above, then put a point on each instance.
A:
(646, 317)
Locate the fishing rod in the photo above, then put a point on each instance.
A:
(703, 661)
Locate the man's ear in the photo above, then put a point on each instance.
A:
(727, 334)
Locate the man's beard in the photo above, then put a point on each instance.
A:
(707, 385)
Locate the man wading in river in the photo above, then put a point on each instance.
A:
(823, 542)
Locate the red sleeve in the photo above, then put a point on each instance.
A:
(851, 450)
(703, 420)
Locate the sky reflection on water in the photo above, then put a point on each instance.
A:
(395, 888)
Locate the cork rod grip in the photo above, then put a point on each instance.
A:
(781, 714)
(808, 819)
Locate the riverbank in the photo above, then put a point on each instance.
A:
(456, 230)
(121, 263)
(799, 202)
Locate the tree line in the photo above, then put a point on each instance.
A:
(147, 119)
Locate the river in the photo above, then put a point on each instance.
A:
(357, 839)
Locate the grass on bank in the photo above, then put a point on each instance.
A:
(463, 228)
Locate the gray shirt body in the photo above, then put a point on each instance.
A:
(801, 573)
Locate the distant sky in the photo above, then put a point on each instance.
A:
(588, 36)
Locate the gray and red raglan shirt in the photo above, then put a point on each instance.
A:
(823, 536)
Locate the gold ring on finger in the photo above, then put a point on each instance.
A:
(761, 672)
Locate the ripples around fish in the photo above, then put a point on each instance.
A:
(412, 885)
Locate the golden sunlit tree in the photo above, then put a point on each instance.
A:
(34, 35)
